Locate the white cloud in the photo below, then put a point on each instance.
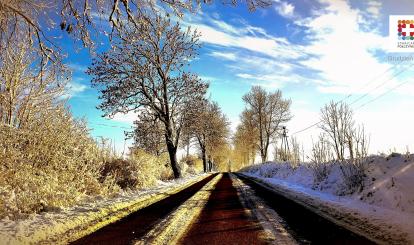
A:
(339, 53)
(129, 117)
(249, 49)
(211, 79)
(338, 57)
(224, 55)
(374, 8)
(345, 53)
(246, 37)
(225, 27)
(74, 88)
(285, 9)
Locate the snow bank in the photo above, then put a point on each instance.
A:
(386, 202)
(63, 226)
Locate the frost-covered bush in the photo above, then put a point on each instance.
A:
(51, 162)
(268, 170)
(353, 173)
(191, 164)
(320, 158)
(147, 168)
(139, 171)
(123, 173)
(320, 171)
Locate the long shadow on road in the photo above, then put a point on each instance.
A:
(224, 220)
(137, 224)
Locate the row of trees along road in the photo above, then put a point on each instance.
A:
(265, 112)
(146, 72)
(209, 127)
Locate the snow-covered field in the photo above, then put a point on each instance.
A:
(383, 209)
(61, 226)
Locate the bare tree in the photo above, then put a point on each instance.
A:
(250, 134)
(349, 142)
(353, 169)
(321, 155)
(210, 127)
(268, 110)
(347, 139)
(24, 91)
(245, 140)
(80, 19)
(146, 70)
(294, 152)
(337, 122)
(148, 134)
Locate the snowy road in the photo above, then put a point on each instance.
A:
(224, 209)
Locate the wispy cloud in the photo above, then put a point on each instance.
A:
(262, 58)
(324, 56)
(129, 117)
(374, 8)
(285, 9)
(343, 63)
(77, 67)
(224, 55)
(245, 37)
(74, 88)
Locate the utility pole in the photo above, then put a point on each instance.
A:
(285, 144)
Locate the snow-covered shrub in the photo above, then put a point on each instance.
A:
(122, 172)
(321, 156)
(320, 171)
(268, 170)
(353, 173)
(52, 162)
(147, 168)
(191, 164)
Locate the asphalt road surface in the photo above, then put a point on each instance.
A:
(234, 213)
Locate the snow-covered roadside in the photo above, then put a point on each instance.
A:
(382, 225)
(383, 211)
(62, 226)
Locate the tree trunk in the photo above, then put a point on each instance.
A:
(263, 155)
(204, 158)
(172, 152)
(210, 164)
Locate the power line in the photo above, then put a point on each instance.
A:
(367, 93)
(383, 94)
(370, 81)
(382, 84)
(112, 126)
(311, 126)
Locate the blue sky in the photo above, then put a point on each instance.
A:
(314, 51)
